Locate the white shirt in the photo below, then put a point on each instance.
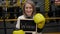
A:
(18, 21)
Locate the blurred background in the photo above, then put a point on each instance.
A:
(11, 9)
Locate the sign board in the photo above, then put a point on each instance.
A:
(28, 25)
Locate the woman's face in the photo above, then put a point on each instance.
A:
(28, 9)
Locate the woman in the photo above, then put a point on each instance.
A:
(29, 11)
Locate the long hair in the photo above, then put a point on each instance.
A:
(32, 4)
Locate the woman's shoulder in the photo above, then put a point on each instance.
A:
(21, 17)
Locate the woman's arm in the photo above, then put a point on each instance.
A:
(18, 23)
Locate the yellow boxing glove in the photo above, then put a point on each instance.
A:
(39, 20)
(19, 32)
(41, 25)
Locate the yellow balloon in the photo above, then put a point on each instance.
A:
(19, 32)
(15, 32)
(38, 18)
